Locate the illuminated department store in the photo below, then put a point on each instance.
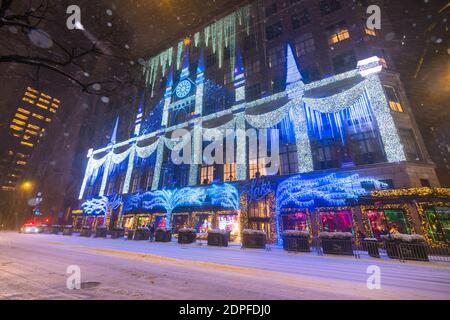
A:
(347, 159)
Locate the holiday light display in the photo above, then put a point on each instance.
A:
(171, 199)
(301, 113)
(304, 117)
(95, 206)
(218, 36)
(333, 190)
(225, 196)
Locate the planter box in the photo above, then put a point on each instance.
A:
(337, 246)
(186, 237)
(142, 234)
(163, 235)
(255, 241)
(117, 233)
(55, 229)
(296, 243)
(130, 234)
(406, 250)
(371, 246)
(218, 239)
(67, 230)
(86, 232)
(101, 232)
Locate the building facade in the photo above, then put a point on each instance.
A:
(33, 115)
(309, 76)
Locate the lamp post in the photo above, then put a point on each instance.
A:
(24, 187)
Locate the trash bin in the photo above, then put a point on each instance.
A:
(67, 230)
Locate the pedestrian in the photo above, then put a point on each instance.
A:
(152, 231)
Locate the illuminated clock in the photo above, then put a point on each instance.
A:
(183, 89)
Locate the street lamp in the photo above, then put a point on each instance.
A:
(26, 185)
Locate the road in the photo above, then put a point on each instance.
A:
(35, 266)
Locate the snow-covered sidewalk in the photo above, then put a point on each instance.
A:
(210, 271)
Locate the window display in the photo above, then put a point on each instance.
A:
(336, 221)
(144, 221)
(387, 221)
(202, 222)
(295, 220)
(128, 222)
(438, 223)
(160, 222)
(180, 221)
(90, 221)
(229, 222)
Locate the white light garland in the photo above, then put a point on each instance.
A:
(241, 147)
(147, 151)
(269, 119)
(382, 112)
(338, 101)
(304, 153)
(117, 158)
(105, 174)
(158, 163)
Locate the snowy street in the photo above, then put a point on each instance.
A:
(34, 267)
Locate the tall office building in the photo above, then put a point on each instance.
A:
(34, 113)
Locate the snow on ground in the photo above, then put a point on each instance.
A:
(34, 267)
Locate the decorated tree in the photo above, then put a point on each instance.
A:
(226, 196)
(171, 199)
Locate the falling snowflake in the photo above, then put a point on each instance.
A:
(40, 38)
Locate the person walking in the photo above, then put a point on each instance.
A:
(152, 231)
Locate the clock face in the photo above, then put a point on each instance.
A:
(183, 89)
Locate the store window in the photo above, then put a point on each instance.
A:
(229, 172)
(271, 9)
(288, 159)
(392, 97)
(135, 182)
(144, 221)
(370, 32)
(338, 32)
(366, 148)
(252, 68)
(206, 174)
(336, 221)
(260, 216)
(388, 221)
(257, 168)
(229, 222)
(294, 219)
(409, 143)
(180, 221)
(274, 31)
(438, 223)
(329, 6)
(202, 222)
(276, 56)
(304, 44)
(300, 19)
(149, 178)
(160, 222)
(344, 62)
(128, 222)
